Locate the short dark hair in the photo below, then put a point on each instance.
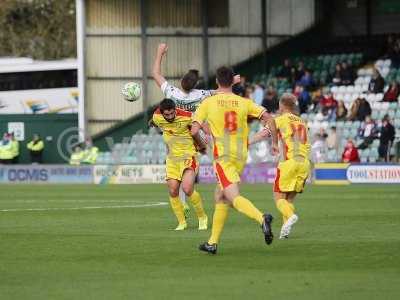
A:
(225, 76)
(167, 104)
(189, 80)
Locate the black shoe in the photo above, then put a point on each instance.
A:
(266, 228)
(206, 247)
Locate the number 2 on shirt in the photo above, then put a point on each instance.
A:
(231, 121)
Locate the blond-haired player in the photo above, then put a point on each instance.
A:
(294, 169)
(227, 115)
(181, 163)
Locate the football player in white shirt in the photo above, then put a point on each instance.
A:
(187, 97)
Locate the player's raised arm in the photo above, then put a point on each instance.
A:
(267, 118)
(156, 72)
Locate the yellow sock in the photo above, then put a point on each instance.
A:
(286, 209)
(197, 203)
(244, 206)
(291, 206)
(219, 218)
(177, 207)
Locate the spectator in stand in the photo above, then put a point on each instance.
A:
(389, 46)
(293, 75)
(36, 147)
(350, 153)
(323, 133)
(336, 76)
(330, 105)
(286, 69)
(363, 109)
(248, 93)
(319, 149)
(332, 140)
(307, 80)
(395, 57)
(303, 98)
(316, 99)
(300, 70)
(341, 111)
(354, 109)
(393, 51)
(377, 83)
(322, 115)
(386, 139)
(392, 93)
(368, 131)
(271, 101)
(346, 74)
(258, 93)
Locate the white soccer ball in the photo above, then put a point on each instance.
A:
(131, 91)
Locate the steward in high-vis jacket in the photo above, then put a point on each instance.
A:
(36, 147)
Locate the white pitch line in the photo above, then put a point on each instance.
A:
(84, 207)
(68, 201)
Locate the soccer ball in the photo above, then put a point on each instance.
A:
(131, 91)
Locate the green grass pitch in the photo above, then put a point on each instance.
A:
(346, 245)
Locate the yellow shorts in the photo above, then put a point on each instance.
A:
(291, 175)
(228, 172)
(176, 167)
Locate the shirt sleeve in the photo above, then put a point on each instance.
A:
(167, 89)
(254, 110)
(156, 119)
(201, 113)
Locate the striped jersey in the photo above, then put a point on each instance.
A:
(188, 102)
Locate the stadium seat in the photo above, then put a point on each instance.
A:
(339, 124)
(374, 114)
(353, 132)
(346, 133)
(348, 124)
(392, 106)
(342, 89)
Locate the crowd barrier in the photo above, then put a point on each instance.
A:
(329, 173)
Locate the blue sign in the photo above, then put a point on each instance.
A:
(46, 174)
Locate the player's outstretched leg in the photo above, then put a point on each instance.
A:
(176, 203)
(187, 184)
(247, 208)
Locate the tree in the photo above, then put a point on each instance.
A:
(41, 29)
